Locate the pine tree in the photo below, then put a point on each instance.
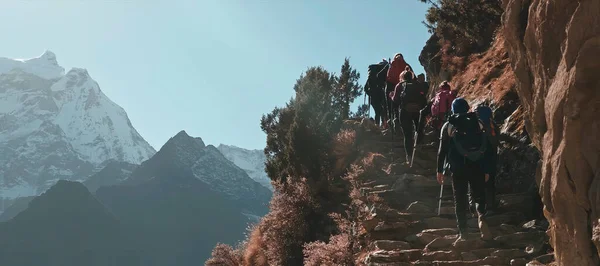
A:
(347, 89)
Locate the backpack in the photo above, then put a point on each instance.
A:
(374, 69)
(373, 81)
(442, 102)
(412, 99)
(469, 140)
(485, 116)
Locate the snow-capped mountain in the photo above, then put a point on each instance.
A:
(58, 126)
(251, 161)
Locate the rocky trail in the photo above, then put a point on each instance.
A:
(403, 226)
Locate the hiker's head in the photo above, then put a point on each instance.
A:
(460, 106)
(484, 113)
(445, 86)
(421, 77)
(407, 75)
(398, 56)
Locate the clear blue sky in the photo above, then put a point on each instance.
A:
(210, 67)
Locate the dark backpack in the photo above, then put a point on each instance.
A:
(413, 98)
(374, 69)
(375, 83)
(469, 141)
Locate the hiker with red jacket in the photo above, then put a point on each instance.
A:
(466, 155)
(393, 78)
(409, 98)
(440, 107)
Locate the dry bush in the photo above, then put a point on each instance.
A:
(336, 252)
(225, 255)
(255, 254)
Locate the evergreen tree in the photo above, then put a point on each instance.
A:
(348, 89)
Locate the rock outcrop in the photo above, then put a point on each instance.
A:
(553, 48)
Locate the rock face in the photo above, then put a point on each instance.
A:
(554, 47)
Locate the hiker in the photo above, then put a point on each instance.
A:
(393, 78)
(409, 99)
(424, 84)
(464, 153)
(375, 89)
(485, 114)
(440, 108)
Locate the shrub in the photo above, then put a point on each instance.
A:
(468, 24)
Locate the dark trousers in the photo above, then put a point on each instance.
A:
(469, 175)
(389, 105)
(377, 104)
(490, 188)
(410, 123)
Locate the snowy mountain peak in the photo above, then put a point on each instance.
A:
(251, 161)
(44, 66)
(58, 126)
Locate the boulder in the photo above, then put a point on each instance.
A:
(556, 67)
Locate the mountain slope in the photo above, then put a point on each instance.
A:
(184, 200)
(65, 226)
(176, 214)
(113, 173)
(206, 163)
(58, 126)
(251, 161)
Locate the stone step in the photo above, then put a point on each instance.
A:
(382, 256)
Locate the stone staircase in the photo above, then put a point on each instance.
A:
(403, 226)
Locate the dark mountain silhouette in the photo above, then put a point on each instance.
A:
(177, 216)
(17, 206)
(65, 226)
(208, 165)
(114, 172)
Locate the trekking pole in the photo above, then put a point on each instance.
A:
(440, 201)
(412, 159)
(369, 108)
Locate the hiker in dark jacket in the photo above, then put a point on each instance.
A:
(375, 88)
(409, 99)
(465, 153)
(485, 114)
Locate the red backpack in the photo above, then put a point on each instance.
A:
(442, 102)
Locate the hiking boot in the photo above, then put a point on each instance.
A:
(486, 234)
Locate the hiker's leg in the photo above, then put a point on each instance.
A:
(376, 104)
(490, 186)
(420, 126)
(460, 187)
(477, 182)
(407, 129)
(389, 106)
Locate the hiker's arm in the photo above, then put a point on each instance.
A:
(443, 149)
(367, 87)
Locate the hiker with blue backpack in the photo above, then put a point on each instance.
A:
(466, 155)
(485, 115)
